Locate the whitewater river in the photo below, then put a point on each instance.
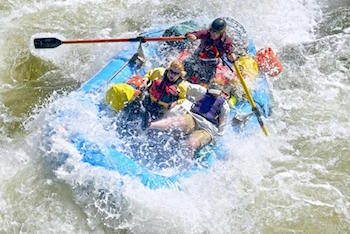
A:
(295, 181)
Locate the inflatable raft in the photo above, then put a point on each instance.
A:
(131, 154)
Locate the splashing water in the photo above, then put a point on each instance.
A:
(297, 180)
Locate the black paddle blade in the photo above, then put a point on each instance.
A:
(46, 43)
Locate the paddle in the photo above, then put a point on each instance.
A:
(138, 58)
(252, 103)
(51, 42)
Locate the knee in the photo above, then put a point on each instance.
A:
(193, 142)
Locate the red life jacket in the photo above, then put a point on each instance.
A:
(209, 54)
(164, 91)
(221, 43)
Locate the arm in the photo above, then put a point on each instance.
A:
(195, 92)
(154, 74)
(225, 111)
(192, 36)
(228, 47)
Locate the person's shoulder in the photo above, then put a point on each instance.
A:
(157, 69)
(155, 73)
(181, 82)
(226, 38)
(200, 33)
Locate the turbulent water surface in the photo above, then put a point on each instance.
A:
(295, 181)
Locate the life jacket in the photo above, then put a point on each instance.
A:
(209, 54)
(136, 82)
(209, 107)
(210, 50)
(164, 91)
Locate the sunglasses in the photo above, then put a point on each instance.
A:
(175, 73)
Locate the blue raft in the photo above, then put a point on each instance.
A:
(110, 157)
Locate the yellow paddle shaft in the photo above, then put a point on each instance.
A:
(252, 103)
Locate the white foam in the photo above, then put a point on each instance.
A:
(235, 194)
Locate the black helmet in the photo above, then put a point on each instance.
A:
(218, 25)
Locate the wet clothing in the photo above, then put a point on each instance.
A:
(223, 43)
(201, 66)
(161, 94)
(197, 71)
(163, 91)
(209, 107)
(195, 94)
(153, 110)
(202, 135)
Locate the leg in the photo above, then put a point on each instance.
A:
(170, 122)
(196, 141)
(184, 123)
(145, 112)
(211, 72)
(152, 111)
(132, 111)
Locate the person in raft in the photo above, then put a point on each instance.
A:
(214, 44)
(159, 90)
(166, 91)
(204, 121)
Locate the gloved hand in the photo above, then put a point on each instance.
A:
(232, 57)
(190, 37)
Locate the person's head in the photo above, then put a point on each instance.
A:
(176, 70)
(217, 28)
(216, 89)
